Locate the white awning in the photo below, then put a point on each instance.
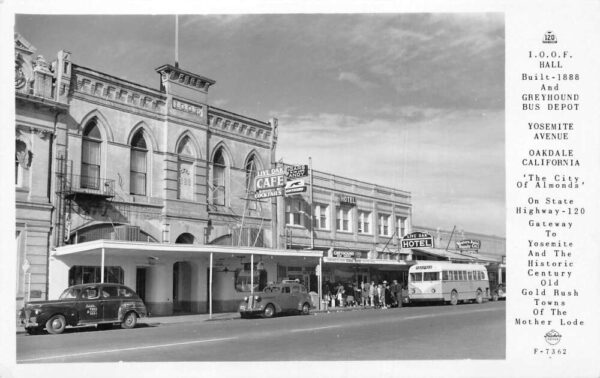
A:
(453, 256)
(143, 249)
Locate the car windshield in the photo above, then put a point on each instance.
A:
(272, 289)
(70, 293)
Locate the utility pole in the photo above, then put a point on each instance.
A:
(312, 223)
(449, 240)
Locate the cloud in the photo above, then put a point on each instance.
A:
(451, 161)
(354, 79)
(219, 102)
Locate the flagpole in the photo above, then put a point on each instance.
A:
(176, 40)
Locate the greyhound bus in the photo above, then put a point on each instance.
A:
(448, 282)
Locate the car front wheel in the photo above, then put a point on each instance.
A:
(454, 298)
(129, 321)
(269, 311)
(56, 324)
(305, 309)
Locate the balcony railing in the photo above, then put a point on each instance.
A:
(88, 185)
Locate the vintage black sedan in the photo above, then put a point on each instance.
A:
(288, 296)
(88, 304)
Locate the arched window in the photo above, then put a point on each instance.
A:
(138, 164)
(251, 172)
(219, 178)
(22, 161)
(185, 238)
(90, 156)
(185, 171)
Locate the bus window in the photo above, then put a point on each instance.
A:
(462, 275)
(431, 276)
(416, 277)
(445, 275)
(470, 275)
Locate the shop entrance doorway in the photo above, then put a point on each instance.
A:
(182, 286)
(140, 283)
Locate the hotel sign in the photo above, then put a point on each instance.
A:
(417, 240)
(347, 200)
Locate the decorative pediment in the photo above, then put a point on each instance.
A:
(23, 45)
(185, 78)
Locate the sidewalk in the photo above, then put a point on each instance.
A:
(194, 318)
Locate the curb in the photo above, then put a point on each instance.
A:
(180, 319)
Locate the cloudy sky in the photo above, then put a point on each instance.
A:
(410, 101)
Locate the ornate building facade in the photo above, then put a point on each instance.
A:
(99, 157)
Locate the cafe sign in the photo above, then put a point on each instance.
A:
(468, 245)
(417, 240)
(269, 183)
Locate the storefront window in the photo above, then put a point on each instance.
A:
(243, 280)
(91, 274)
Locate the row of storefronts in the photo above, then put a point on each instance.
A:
(156, 189)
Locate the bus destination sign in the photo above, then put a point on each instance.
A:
(417, 240)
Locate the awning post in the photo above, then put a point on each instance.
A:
(252, 275)
(320, 283)
(102, 267)
(210, 285)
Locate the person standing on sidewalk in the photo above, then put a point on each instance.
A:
(396, 292)
(381, 294)
(372, 293)
(364, 293)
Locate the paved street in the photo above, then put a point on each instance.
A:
(425, 332)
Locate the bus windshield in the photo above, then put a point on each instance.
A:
(416, 277)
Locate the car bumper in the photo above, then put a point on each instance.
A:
(29, 323)
(244, 309)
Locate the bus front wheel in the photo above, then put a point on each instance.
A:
(454, 298)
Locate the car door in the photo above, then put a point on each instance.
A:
(88, 304)
(295, 298)
(110, 302)
(286, 299)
